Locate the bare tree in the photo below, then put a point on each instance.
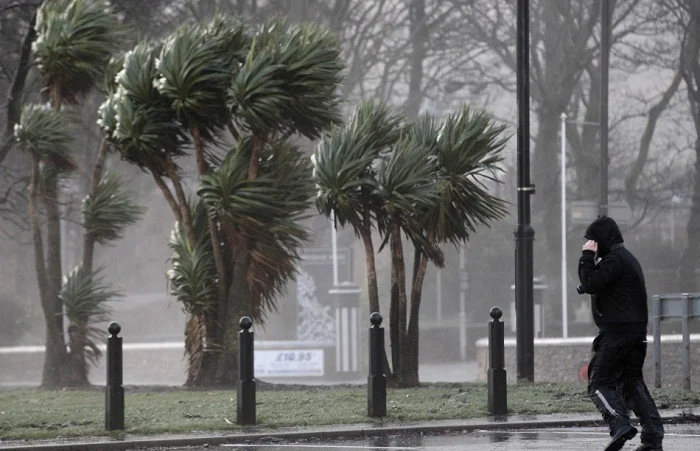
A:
(565, 49)
(18, 33)
(688, 19)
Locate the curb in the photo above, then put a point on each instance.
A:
(350, 433)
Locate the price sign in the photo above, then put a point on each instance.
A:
(289, 362)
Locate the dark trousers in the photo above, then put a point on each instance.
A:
(616, 382)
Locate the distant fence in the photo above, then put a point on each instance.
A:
(313, 360)
(683, 306)
(562, 359)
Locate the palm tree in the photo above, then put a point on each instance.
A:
(406, 186)
(423, 181)
(261, 87)
(45, 134)
(75, 40)
(262, 218)
(193, 283)
(345, 174)
(369, 176)
(286, 86)
(467, 148)
(143, 126)
(138, 121)
(85, 298)
(74, 44)
(194, 70)
(107, 211)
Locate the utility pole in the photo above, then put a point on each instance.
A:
(524, 233)
(604, 68)
(564, 266)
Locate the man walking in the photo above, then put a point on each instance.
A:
(614, 278)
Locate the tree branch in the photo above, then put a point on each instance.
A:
(14, 95)
(19, 5)
(167, 193)
(645, 141)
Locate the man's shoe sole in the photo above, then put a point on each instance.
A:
(620, 438)
(648, 447)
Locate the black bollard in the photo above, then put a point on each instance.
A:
(376, 381)
(114, 393)
(245, 410)
(498, 399)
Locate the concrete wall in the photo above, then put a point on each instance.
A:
(561, 360)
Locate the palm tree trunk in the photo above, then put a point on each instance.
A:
(412, 339)
(184, 206)
(78, 372)
(54, 346)
(194, 349)
(239, 299)
(37, 239)
(54, 269)
(394, 325)
(55, 361)
(174, 207)
(55, 355)
(53, 228)
(211, 350)
(203, 364)
(197, 374)
(254, 167)
(213, 223)
(53, 239)
(372, 289)
(239, 304)
(397, 259)
(214, 329)
(202, 357)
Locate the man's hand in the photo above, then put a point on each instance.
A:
(590, 246)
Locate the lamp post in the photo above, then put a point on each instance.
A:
(524, 233)
(564, 300)
(604, 66)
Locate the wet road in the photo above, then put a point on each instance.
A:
(678, 438)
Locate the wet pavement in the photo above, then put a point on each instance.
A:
(514, 432)
(678, 438)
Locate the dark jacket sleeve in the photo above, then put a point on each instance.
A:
(595, 278)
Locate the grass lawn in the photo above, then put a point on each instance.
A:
(40, 414)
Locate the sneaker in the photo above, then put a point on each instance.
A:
(649, 447)
(626, 432)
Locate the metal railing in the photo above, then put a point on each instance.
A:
(683, 306)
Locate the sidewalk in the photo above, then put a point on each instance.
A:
(361, 430)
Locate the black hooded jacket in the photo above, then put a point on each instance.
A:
(616, 283)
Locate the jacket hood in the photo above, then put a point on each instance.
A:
(605, 232)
